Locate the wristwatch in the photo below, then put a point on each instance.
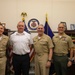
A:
(70, 59)
(50, 60)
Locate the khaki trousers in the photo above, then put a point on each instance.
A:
(2, 65)
(40, 64)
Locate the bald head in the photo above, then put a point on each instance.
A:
(20, 22)
(20, 26)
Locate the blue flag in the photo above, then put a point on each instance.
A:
(48, 30)
(25, 29)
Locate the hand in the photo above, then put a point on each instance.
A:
(69, 63)
(11, 69)
(48, 64)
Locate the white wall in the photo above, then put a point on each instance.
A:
(57, 10)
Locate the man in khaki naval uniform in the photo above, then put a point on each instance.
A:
(3, 44)
(43, 52)
(62, 43)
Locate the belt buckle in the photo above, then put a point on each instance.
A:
(39, 54)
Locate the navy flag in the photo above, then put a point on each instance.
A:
(48, 30)
(25, 29)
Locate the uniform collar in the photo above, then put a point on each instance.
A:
(61, 35)
(3, 36)
(40, 37)
(0, 37)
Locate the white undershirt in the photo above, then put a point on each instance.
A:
(60, 36)
(39, 37)
(0, 37)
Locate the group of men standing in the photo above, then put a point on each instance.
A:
(47, 50)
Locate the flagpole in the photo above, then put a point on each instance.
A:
(46, 17)
(47, 21)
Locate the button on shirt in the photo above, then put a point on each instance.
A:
(21, 42)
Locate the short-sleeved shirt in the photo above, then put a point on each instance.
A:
(3, 44)
(21, 42)
(43, 44)
(62, 43)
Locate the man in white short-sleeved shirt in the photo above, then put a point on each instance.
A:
(21, 42)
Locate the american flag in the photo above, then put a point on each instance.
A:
(31, 54)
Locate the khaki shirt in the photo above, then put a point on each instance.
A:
(43, 44)
(3, 44)
(62, 44)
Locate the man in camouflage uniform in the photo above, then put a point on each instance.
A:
(3, 44)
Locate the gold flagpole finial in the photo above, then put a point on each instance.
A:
(23, 14)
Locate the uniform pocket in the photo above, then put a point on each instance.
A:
(43, 42)
(4, 43)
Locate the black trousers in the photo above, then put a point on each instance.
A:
(21, 64)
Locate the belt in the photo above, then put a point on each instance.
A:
(60, 54)
(39, 54)
(2, 56)
(20, 54)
